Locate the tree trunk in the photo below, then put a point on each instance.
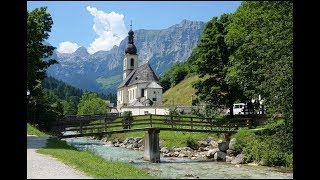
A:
(231, 109)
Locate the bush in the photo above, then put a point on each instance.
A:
(271, 145)
(191, 143)
(127, 119)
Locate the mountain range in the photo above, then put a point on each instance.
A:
(102, 71)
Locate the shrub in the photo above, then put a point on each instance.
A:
(271, 145)
(127, 119)
(191, 143)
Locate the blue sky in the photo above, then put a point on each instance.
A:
(100, 25)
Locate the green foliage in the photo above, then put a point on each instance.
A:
(173, 76)
(109, 82)
(270, 145)
(90, 103)
(213, 60)
(67, 95)
(91, 164)
(39, 24)
(262, 63)
(39, 110)
(127, 119)
(192, 143)
(31, 130)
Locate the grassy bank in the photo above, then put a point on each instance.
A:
(31, 130)
(89, 163)
(269, 146)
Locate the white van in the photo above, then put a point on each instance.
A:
(237, 108)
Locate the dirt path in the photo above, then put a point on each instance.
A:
(41, 166)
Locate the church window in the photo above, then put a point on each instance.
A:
(154, 99)
(133, 94)
(142, 92)
(154, 92)
(132, 62)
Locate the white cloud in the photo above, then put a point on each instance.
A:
(67, 47)
(110, 30)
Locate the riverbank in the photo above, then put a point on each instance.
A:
(89, 163)
(41, 166)
(178, 167)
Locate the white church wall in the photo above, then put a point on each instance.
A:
(139, 87)
(154, 95)
(132, 93)
(142, 110)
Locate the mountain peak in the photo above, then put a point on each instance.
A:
(81, 51)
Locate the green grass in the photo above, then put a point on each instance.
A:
(91, 164)
(109, 82)
(181, 94)
(31, 130)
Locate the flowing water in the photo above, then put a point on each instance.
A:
(176, 168)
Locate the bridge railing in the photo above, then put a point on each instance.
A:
(114, 123)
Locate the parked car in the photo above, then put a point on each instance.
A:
(238, 108)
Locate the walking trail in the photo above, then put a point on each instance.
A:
(41, 166)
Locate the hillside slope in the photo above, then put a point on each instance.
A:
(181, 94)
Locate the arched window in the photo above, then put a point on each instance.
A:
(132, 62)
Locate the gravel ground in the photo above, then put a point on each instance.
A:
(41, 166)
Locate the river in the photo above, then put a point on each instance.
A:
(177, 168)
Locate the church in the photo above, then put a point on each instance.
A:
(140, 86)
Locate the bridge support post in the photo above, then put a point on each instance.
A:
(151, 145)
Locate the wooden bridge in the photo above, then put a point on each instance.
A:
(99, 125)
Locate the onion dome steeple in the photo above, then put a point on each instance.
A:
(131, 48)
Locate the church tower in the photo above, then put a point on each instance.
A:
(130, 61)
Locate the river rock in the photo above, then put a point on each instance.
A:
(229, 158)
(211, 152)
(209, 139)
(164, 150)
(220, 156)
(135, 145)
(213, 144)
(130, 146)
(202, 143)
(193, 158)
(168, 154)
(239, 159)
(182, 155)
(122, 145)
(176, 149)
(137, 139)
(129, 140)
(116, 141)
(176, 154)
(187, 153)
(187, 149)
(232, 144)
(230, 152)
(223, 146)
(140, 141)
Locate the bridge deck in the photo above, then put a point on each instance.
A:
(112, 124)
(144, 129)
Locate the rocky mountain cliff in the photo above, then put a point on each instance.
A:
(102, 71)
